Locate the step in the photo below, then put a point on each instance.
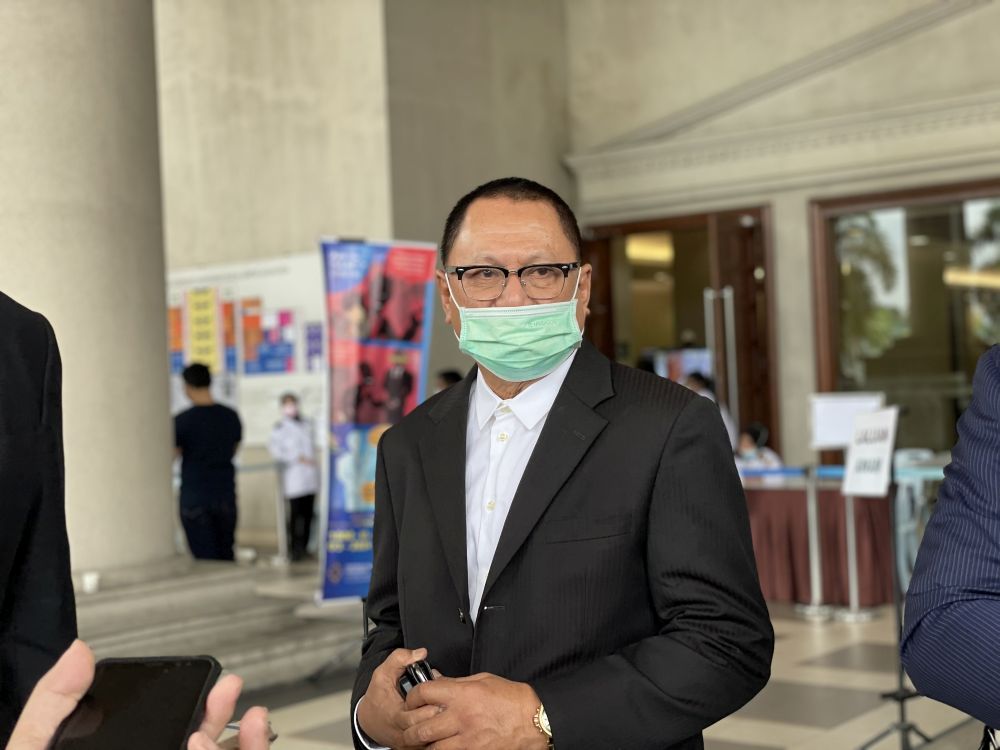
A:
(199, 590)
(160, 635)
(216, 609)
(293, 655)
(278, 654)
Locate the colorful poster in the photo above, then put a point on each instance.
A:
(379, 303)
(204, 335)
(268, 339)
(314, 347)
(175, 337)
(229, 334)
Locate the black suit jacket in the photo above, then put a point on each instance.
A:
(623, 587)
(37, 612)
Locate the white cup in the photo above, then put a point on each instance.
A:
(91, 582)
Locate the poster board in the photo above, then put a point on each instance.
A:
(260, 327)
(379, 304)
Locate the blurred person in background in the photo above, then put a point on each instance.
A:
(447, 378)
(292, 444)
(752, 451)
(703, 386)
(37, 606)
(951, 628)
(206, 437)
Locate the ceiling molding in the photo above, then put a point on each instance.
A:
(853, 47)
(907, 143)
(886, 124)
(958, 166)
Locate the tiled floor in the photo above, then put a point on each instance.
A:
(823, 695)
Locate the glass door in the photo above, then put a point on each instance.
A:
(687, 297)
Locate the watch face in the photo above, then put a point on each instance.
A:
(543, 719)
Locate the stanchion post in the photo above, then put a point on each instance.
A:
(282, 557)
(853, 613)
(854, 596)
(815, 609)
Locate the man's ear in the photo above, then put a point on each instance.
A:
(447, 305)
(583, 294)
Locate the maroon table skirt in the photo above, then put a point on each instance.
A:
(781, 546)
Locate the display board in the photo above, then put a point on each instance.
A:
(259, 326)
(379, 303)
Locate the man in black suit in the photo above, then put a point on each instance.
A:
(569, 531)
(37, 609)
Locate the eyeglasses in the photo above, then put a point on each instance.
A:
(541, 281)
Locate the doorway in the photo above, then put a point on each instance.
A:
(691, 294)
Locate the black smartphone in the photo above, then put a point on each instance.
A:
(154, 703)
(413, 676)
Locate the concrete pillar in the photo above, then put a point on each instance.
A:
(81, 242)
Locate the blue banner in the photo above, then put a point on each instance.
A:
(379, 311)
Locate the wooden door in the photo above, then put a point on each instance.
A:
(600, 329)
(741, 282)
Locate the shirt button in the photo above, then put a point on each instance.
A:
(503, 437)
(491, 504)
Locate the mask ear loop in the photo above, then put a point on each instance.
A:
(576, 287)
(447, 281)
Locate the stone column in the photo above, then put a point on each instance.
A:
(81, 241)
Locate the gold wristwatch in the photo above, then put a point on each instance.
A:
(542, 724)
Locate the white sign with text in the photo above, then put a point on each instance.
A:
(832, 416)
(869, 455)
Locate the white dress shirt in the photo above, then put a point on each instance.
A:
(500, 437)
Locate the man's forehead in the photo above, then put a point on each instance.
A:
(497, 223)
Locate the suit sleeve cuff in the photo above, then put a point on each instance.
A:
(365, 739)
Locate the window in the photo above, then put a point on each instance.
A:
(912, 301)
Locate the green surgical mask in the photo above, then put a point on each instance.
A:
(520, 343)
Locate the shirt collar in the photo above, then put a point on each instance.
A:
(529, 406)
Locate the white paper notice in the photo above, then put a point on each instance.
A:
(832, 416)
(869, 456)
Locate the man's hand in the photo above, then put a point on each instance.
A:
(255, 730)
(382, 715)
(482, 712)
(61, 688)
(53, 698)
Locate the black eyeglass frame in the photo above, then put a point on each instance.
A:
(460, 271)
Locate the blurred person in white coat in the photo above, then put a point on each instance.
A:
(292, 445)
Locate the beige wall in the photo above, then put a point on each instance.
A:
(681, 107)
(273, 122)
(477, 90)
(80, 241)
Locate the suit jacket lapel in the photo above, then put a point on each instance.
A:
(570, 429)
(442, 453)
